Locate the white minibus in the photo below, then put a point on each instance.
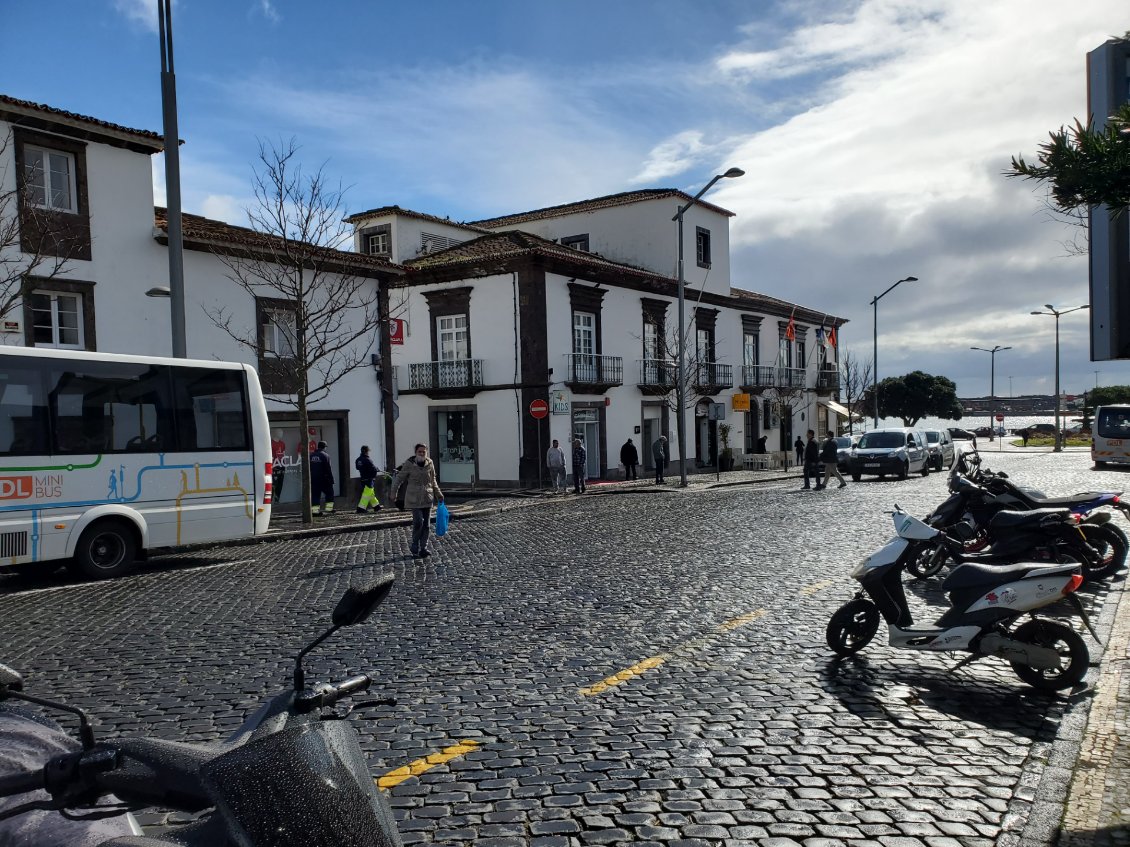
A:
(104, 457)
(1110, 435)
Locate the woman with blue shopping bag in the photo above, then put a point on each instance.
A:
(418, 474)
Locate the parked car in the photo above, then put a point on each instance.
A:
(843, 452)
(940, 445)
(898, 451)
(958, 434)
(988, 431)
(1037, 429)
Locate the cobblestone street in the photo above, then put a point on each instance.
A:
(604, 669)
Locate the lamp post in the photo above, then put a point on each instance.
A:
(1051, 310)
(172, 179)
(875, 333)
(992, 376)
(680, 397)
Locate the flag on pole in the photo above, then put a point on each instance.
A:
(821, 338)
(790, 330)
(832, 335)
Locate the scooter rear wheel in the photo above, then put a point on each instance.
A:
(928, 560)
(1072, 650)
(852, 627)
(1110, 542)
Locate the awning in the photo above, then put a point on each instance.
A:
(835, 407)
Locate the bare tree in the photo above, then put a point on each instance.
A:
(855, 379)
(34, 241)
(323, 317)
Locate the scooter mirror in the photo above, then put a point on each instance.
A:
(360, 600)
(10, 680)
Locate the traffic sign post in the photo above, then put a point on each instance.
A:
(538, 410)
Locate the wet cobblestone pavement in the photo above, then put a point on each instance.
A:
(600, 670)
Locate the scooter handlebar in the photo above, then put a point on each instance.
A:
(22, 783)
(323, 695)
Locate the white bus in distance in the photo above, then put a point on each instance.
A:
(104, 457)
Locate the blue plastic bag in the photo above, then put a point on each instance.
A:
(442, 518)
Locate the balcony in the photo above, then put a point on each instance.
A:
(758, 377)
(591, 374)
(709, 377)
(827, 381)
(450, 378)
(790, 378)
(657, 376)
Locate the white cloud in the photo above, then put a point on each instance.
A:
(139, 12)
(267, 9)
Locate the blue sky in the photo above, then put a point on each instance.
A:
(873, 133)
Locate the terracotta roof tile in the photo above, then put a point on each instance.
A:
(622, 199)
(156, 140)
(201, 229)
(397, 210)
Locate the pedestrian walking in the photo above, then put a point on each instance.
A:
(661, 455)
(811, 458)
(555, 461)
(830, 456)
(630, 459)
(798, 445)
(321, 481)
(368, 473)
(278, 469)
(1025, 434)
(418, 475)
(760, 448)
(580, 463)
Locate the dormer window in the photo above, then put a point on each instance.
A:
(377, 240)
(577, 242)
(702, 246)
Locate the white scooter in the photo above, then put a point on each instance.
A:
(985, 601)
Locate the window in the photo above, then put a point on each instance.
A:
(379, 244)
(106, 407)
(577, 242)
(211, 408)
(451, 338)
(750, 357)
(650, 341)
(800, 353)
(785, 354)
(49, 179)
(584, 333)
(703, 345)
(56, 319)
(702, 246)
(279, 333)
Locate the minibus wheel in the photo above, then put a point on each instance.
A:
(106, 549)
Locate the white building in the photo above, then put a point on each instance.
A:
(92, 183)
(577, 305)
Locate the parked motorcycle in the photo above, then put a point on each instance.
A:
(293, 775)
(985, 603)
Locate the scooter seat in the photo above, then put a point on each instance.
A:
(1067, 502)
(972, 575)
(1035, 517)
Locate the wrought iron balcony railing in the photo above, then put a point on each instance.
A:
(658, 373)
(590, 369)
(827, 381)
(451, 373)
(758, 376)
(712, 375)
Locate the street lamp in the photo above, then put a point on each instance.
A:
(680, 398)
(875, 332)
(1051, 310)
(992, 375)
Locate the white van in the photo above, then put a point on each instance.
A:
(1110, 435)
(898, 451)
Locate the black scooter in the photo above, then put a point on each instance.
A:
(293, 775)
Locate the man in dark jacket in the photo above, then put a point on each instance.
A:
(368, 473)
(661, 455)
(580, 464)
(630, 459)
(811, 461)
(830, 456)
(321, 481)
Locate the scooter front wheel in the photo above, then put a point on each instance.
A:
(928, 560)
(1073, 654)
(852, 627)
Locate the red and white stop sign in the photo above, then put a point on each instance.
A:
(1000, 418)
(539, 409)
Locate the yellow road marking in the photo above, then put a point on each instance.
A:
(420, 765)
(624, 675)
(741, 621)
(816, 586)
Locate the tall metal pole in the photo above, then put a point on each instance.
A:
(680, 389)
(1056, 313)
(172, 178)
(875, 352)
(993, 378)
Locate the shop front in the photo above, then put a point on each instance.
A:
(456, 446)
(286, 445)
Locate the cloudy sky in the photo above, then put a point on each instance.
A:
(873, 133)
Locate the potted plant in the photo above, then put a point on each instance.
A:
(726, 457)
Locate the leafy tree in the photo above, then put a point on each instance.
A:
(917, 395)
(1107, 395)
(1085, 166)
